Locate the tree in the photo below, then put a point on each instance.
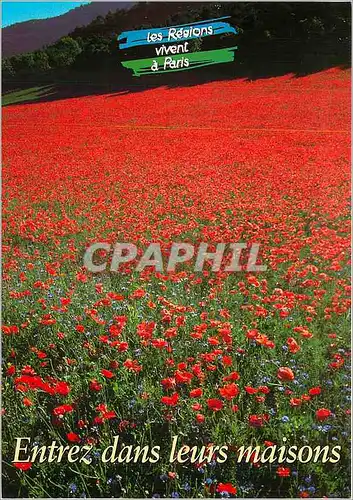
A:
(23, 63)
(41, 61)
(64, 52)
(8, 70)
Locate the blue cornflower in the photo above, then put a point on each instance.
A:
(72, 488)
(326, 428)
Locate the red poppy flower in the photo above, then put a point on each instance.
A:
(11, 371)
(61, 388)
(231, 377)
(285, 374)
(283, 471)
(107, 373)
(61, 410)
(196, 393)
(168, 383)
(269, 443)
(295, 401)
(95, 386)
(250, 390)
(323, 414)
(23, 465)
(229, 391)
(73, 437)
(132, 365)
(170, 400)
(257, 420)
(293, 346)
(226, 488)
(183, 377)
(214, 404)
(315, 391)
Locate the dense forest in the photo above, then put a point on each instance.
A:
(294, 35)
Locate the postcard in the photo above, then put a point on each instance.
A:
(176, 247)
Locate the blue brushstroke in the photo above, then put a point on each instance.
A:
(139, 37)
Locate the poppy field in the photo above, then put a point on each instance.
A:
(199, 359)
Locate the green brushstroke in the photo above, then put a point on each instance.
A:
(196, 60)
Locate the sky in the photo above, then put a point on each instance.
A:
(16, 12)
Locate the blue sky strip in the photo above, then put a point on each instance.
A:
(17, 12)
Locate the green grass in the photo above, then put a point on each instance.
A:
(26, 95)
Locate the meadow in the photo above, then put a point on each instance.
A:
(229, 359)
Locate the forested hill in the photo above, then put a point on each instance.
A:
(286, 34)
(32, 35)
